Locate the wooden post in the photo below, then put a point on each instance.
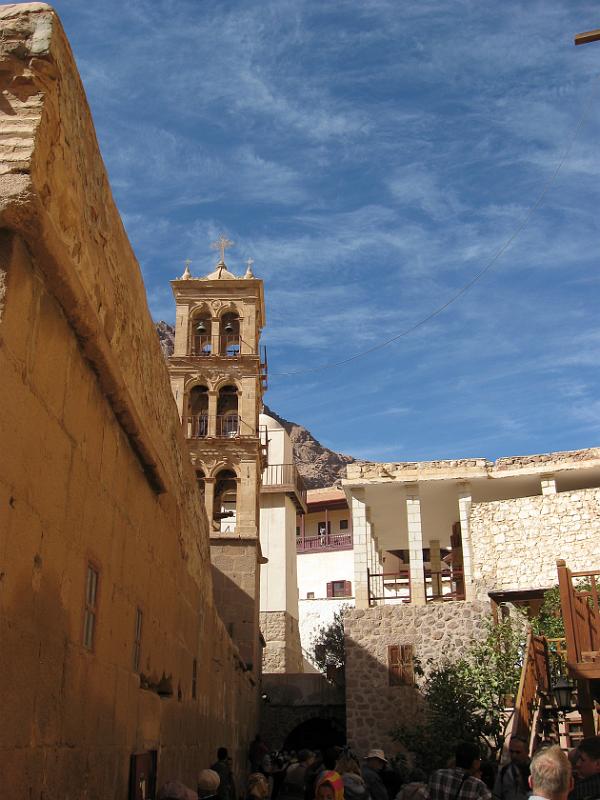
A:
(585, 706)
(566, 604)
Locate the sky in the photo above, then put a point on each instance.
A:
(373, 157)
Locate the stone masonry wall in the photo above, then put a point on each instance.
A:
(436, 631)
(94, 471)
(282, 637)
(516, 542)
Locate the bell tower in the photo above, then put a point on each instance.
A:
(218, 375)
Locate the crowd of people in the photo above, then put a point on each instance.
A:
(338, 774)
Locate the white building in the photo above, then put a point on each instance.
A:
(282, 498)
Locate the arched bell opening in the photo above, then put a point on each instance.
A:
(201, 334)
(230, 334)
(225, 504)
(198, 412)
(228, 420)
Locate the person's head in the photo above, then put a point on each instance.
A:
(258, 786)
(518, 751)
(588, 757)
(573, 757)
(175, 790)
(375, 759)
(330, 786)
(222, 754)
(346, 763)
(208, 783)
(551, 773)
(467, 757)
(306, 757)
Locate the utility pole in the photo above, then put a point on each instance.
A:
(588, 36)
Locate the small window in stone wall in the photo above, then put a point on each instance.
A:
(310, 595)
(401, 667)
(343, 524)
(194, 679)
(137, 639)
(91, 606)
(339, 589)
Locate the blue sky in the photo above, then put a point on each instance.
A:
(371, 156)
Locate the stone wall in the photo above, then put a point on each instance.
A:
(282, 651)
(516, 542)
(93, 471)
(236, 581)
(436, 631)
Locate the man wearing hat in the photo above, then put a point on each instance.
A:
(208, 783)
(175, 790)
(374, 762)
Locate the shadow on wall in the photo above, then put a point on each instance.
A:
(373, 706)
(66, 734)
(239, 613)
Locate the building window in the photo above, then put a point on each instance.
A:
(401, 668)
(194, 679)
(137, 640)
(91, 607)
(339, 589)
(343, 524)
(310, 595)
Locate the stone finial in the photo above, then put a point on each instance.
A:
(249, 273)
(186, 273)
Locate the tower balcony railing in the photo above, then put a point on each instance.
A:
(228, 426)
(285, 477)
(205, 345)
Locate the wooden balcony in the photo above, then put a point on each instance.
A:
(581, 615)
(395, 587)
(285, 478)
(326, 542)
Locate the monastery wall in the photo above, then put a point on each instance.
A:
(94, 473)
(373, 705)
(282, 652)
(516, 542)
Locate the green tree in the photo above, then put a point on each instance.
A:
(328, 643)
(465, 699)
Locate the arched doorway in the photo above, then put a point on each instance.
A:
(317, 733)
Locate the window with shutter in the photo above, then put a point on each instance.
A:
(348, 588)
(401, 668)
(330, 589)
(394, 665)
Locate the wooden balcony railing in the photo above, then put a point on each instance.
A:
(389, 586)
(534, 686)
(581, 615)
(324, 543)
(444, 584)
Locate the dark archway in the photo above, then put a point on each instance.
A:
(315, 734)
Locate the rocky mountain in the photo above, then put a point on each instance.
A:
(318, 465)
(166, 336)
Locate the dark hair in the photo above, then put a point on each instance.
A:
(590, 746)
(466, 754)
(222, 753)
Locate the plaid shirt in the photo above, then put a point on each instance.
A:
(457, 784)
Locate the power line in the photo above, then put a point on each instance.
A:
(464, 289)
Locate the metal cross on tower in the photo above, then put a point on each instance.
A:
(222, 244)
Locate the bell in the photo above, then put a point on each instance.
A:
(229, 327)
(201, 326)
